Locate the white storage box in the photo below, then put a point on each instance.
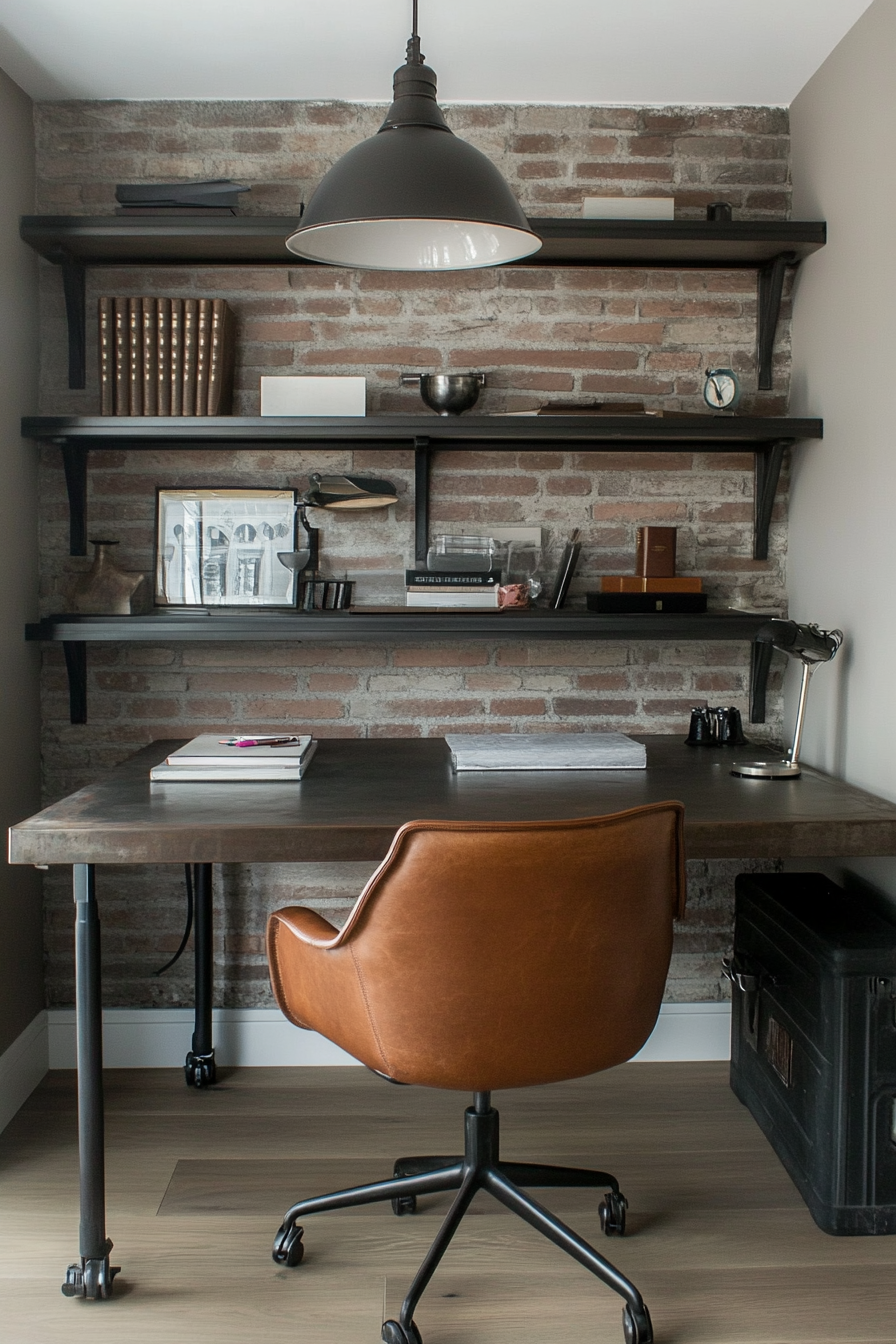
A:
(629, 207)
(298, 395)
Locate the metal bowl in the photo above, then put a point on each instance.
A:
(447, 393)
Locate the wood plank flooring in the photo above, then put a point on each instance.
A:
(720, 1243)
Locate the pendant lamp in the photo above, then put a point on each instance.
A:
(414, 197)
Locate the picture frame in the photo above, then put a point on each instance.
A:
(218, 547)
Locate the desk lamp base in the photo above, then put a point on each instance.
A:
(767, 769)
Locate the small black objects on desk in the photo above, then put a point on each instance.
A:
(718, 726)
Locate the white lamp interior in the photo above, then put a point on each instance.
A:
(413, 244)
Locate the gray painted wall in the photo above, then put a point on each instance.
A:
(842, 560)
(21, 969)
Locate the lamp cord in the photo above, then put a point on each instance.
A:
(188, 874)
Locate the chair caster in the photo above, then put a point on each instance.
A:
(393, 1333)
(288, 1248)
(91, 1278)
(636, 1326)
(612, 1213)
(404, 1204)
(199, 1070)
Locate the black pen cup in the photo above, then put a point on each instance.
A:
(700, 733)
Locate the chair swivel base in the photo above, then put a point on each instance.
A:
(480, 1168)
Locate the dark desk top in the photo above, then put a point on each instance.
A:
(358, 792)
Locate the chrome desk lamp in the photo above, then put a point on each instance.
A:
(812, 646)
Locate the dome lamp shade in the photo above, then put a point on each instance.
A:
(414, 197)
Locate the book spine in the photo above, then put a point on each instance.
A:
(106, 314)
(163, 344)
(121, 355)
(221, 359)
(655, 552)
(423, 578)
(135, 356)
(484, 600)
(177, 357)
(150, 357)
(203, 353)
(188, 346)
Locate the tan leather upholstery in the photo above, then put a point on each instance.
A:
(489, 955)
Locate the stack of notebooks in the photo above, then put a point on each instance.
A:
(453, 588)
(546, 751)
(166, 356)
(210, 759)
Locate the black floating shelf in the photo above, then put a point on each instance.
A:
(261, 240)
(768, 246)
(332, 627)
(765, 436)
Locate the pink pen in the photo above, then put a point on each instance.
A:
(258, 741)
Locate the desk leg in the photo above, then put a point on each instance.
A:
(92, 1278)
(199, 1065)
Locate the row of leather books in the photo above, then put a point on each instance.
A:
(166, 356)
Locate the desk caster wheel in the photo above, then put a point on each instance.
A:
(404, 1204)
(636, 1326)
(612, 1214)
(91, 1278)
(288, 1247)
(199, 1070)
(393, 1333)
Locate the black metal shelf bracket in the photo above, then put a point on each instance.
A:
(75, 651)
(422, 455)
(770, 286)
(760, 662)
(74, 462)
(767, 472)
(74, 284)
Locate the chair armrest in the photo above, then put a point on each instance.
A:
(307, 925)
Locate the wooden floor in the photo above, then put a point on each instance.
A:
(720, 1243)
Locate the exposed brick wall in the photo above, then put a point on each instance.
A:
(540, 334)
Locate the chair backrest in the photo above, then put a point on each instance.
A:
(495, 955)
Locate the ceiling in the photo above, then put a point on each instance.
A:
(520, 51)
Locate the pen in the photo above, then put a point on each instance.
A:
(258, 741)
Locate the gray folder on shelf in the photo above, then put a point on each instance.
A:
(546, 751)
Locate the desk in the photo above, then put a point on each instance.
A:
(355, 796)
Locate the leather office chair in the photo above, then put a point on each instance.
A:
(483, 956)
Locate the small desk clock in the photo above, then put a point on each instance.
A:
(721, 391)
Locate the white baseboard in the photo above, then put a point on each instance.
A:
(22, 1065)
(689, 1032)
(159, 1038)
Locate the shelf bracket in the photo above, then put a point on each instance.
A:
(760, 662)
(74, 462)
(74, 286)
(766, 474)
(75, 651)
(770, 287)
(422, 453)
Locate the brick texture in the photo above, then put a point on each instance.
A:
(539, 333)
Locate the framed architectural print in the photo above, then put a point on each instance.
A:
(219, 548)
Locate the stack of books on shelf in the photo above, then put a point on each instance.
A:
(261, 758)
(453, 589)
(166, 356)
(654, 586)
